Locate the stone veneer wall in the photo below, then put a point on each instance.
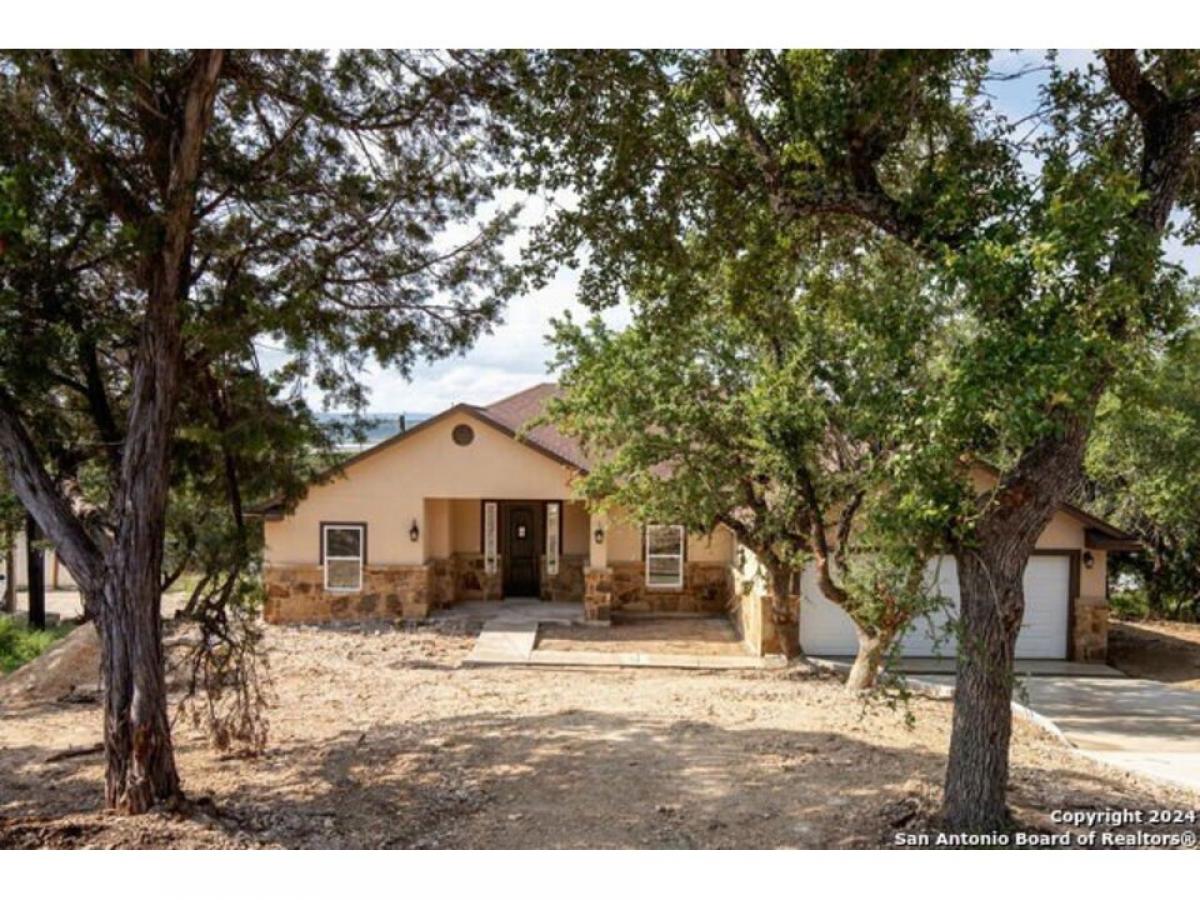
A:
(297, 594)
(568, 585)
(621, 587)
(472, 581)
(1089, 631)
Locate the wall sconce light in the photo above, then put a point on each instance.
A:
(598, 535)
(414, 533)
(1088, 559)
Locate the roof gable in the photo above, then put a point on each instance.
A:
(506, 417)
(515, 413)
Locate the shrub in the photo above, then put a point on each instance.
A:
(19, 644)
(1129, 604)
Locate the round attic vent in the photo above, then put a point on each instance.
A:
(463, 435)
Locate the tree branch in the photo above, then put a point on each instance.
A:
(45, 502)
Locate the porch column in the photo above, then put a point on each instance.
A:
(597, 577)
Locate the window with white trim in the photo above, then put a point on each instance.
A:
(490, 531)
(664, 556)
(553, 512)
(342, 551)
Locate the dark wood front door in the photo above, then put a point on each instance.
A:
(520, 550)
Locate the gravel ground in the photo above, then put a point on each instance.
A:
(380, 739)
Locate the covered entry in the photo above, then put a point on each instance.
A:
(1049, 586)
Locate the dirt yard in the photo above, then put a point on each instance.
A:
(697, 637)
(1161, 651)
(381, 739)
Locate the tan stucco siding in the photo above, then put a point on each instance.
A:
(1065, 532)
(624, 540)
(577, 529)
(387, 490)
(467, 526)
(714, 547)
(437, 524)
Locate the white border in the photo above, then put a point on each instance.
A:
(617, 23)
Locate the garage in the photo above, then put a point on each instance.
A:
(827, 631)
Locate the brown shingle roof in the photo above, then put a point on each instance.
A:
(515, 412)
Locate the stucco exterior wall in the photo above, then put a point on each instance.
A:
(387, 490)
(466, 526)
(624, 543)
(577, 530)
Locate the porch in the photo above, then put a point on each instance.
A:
(449, 551)
(487, 550)
(527, 632)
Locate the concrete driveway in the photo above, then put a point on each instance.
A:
(1143, 726)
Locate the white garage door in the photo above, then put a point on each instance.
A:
(827, 631)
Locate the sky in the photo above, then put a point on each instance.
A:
(515, 355)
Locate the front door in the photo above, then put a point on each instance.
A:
(520, 551)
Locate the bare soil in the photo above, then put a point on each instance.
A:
(697, 637)
(1158, 650)
(380, 738)
(69, 669)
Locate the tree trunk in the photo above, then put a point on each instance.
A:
(871, 650)
(993, 603)
(35, 576)
(783, 614)
(991, 576)
(139, 759)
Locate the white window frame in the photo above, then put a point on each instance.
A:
(680, 556)
(491, 532)
(360, 558)
(553, 520)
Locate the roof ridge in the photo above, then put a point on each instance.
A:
(533, 387)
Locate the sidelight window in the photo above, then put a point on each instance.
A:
(553, 512)
(490, 535)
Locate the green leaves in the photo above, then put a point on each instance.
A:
(1141, 461)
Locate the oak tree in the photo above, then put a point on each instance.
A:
(1047, 232)
(780, 406)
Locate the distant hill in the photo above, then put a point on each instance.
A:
(380, 426)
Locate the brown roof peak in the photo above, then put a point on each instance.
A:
(517, 411)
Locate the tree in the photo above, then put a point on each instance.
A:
(175, 207)
(1050, 244)
(779, 406)
(1141, 462)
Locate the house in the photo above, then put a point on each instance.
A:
(477, 504)
(55, 574)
